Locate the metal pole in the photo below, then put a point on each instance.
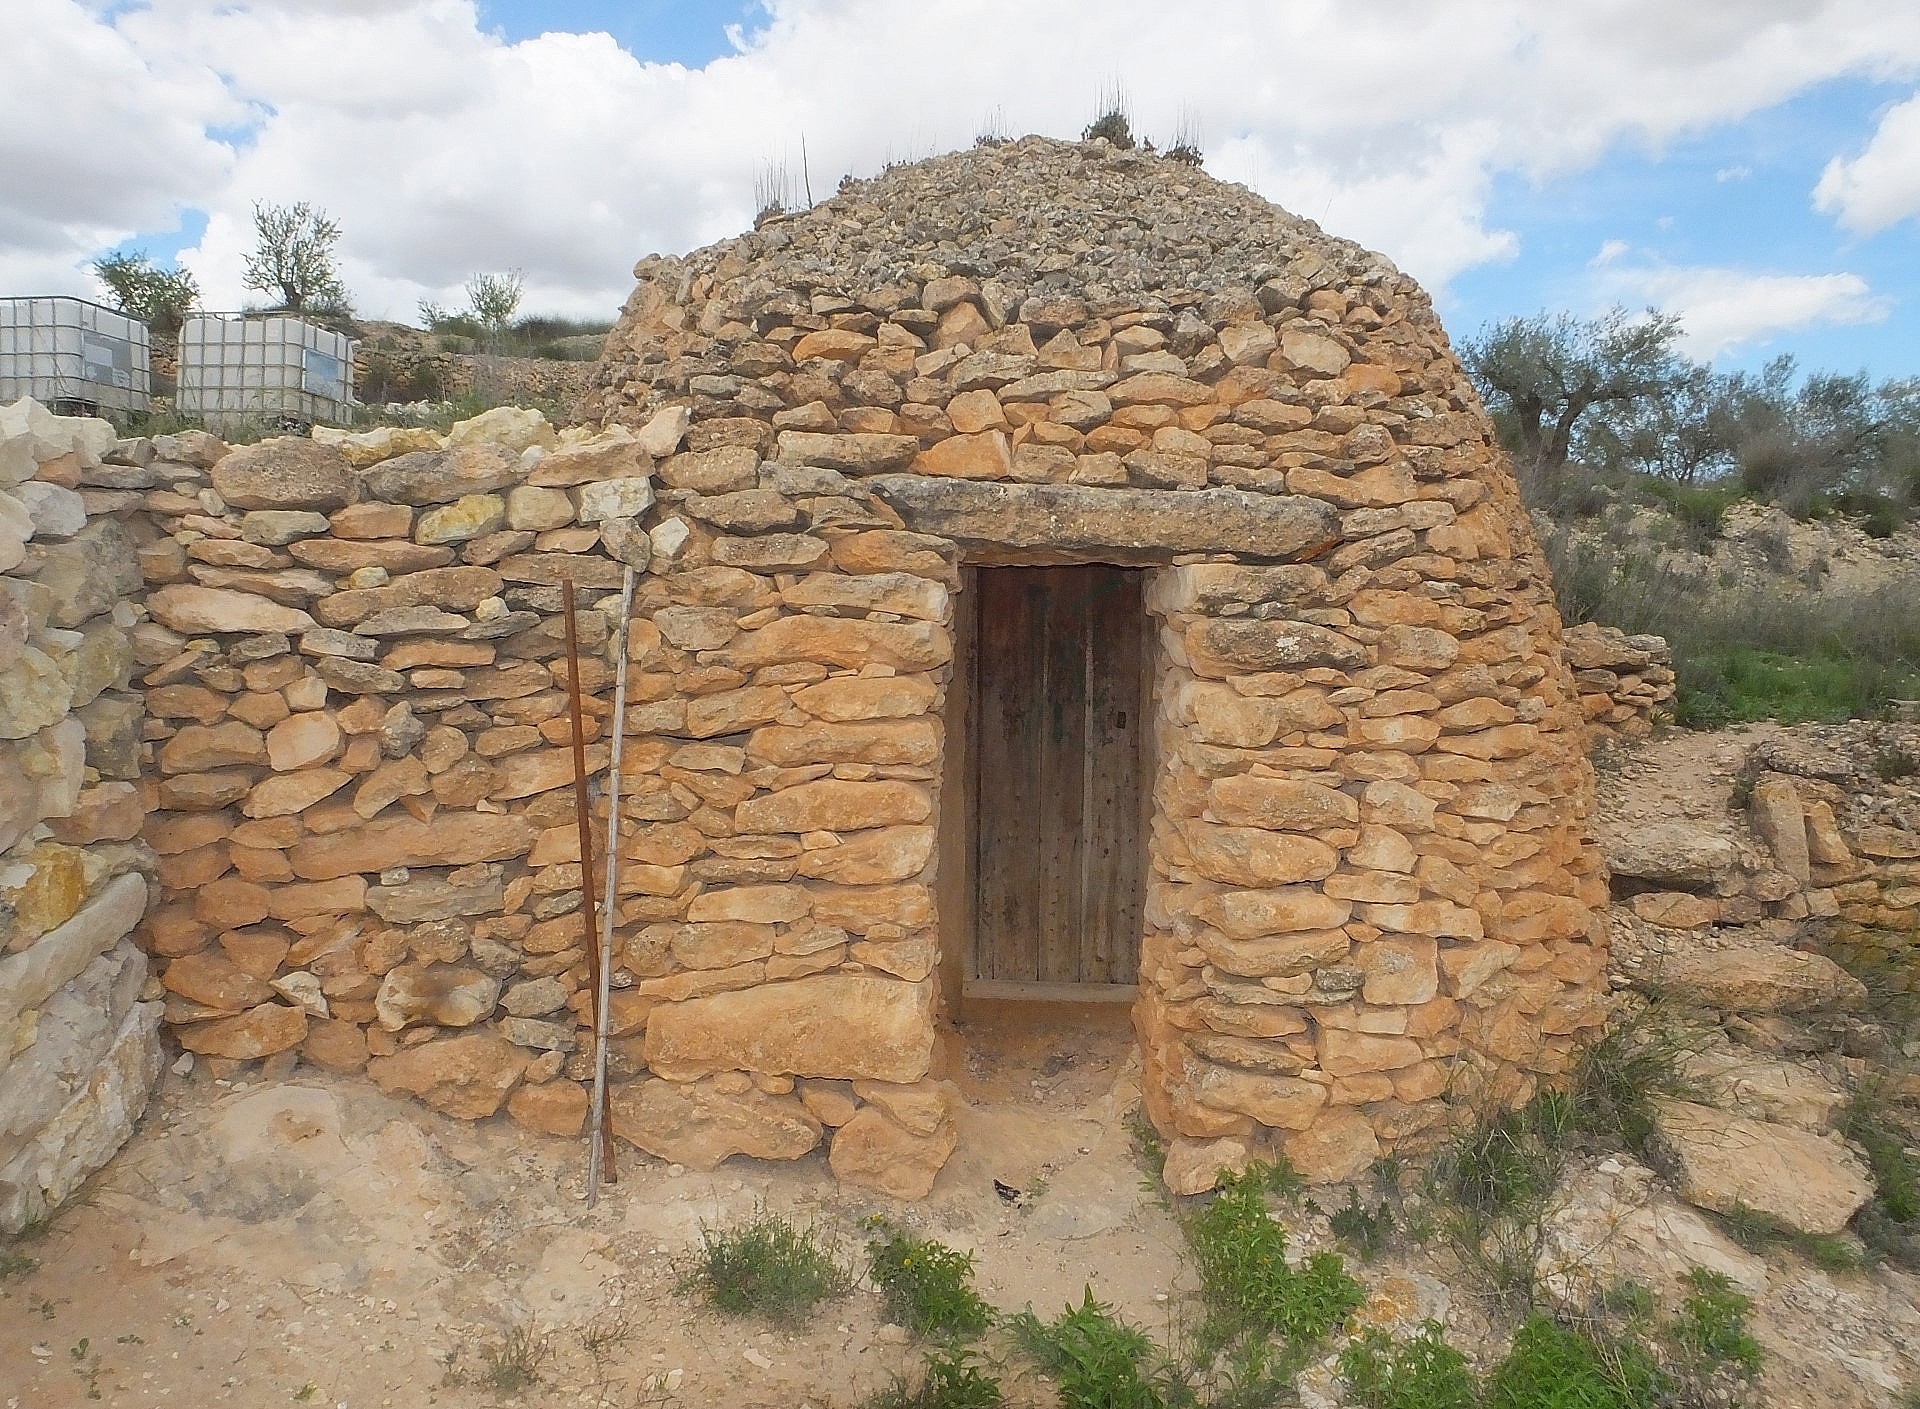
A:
(582, 802)
(601, 1151)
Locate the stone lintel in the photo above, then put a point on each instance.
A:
(994, 521)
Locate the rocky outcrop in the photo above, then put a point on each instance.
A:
(79, 1049)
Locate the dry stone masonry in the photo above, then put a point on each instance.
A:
(1370, 889)
(79, 1051)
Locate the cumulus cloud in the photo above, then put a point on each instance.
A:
(1881, 186)
(1728, 310)
(442, 149)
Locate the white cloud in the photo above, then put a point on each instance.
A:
(1609, 252)
(1881, 186)
(442, 149)
(1728, 310)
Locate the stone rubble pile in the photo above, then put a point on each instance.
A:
(79, 1051)
(1626, 683)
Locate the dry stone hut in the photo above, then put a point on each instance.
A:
(1066, 576)
(1072, 574)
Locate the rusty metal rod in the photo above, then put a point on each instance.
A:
(597, 1109)
(583, 819)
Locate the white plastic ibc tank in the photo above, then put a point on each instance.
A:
(268, 369)
(72, 355)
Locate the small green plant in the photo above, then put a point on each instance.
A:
(14, 1263)
(1361, 1226)
(1619, 1078)
(1423, 1372)
(1096, 1360)
(768, 1268)
(1710, 1333)
(925, 1286)
(1245, 1279)
(306, 1393)
(1555, 1367)
(948, 1380)
(514, 1365)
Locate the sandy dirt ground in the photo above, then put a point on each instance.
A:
(314, 1242)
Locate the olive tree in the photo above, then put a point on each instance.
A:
(141, 289)
(293, 259)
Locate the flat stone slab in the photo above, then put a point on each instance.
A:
(1129, 526)
(1727, 1162)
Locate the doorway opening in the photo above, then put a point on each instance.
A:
(1046, 809)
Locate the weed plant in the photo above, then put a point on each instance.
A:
(513, 1365)
(1362, 1226)
(768, 1268)
(1890, 1223)
(1757, 1232)
(1423, 1372)
(1247, 1284)
(925, 1286)
(1557, 1367)
(1710, 1332)
(1095, 1360)
(948, 1380)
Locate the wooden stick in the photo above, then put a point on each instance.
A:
(583, 820)
(600, 1151)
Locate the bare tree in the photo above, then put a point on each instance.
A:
(293, 258)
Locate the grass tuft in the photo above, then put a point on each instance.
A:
(1423, 1372)
(768, 1268)
(1246, 1281)
(514, 1365)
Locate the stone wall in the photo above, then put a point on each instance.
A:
(1626, 683)
(78, 1051)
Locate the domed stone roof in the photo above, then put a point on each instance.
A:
(1049, 232)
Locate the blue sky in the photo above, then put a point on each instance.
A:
(1754, 167)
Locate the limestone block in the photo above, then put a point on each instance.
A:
(511, 428)
(877, 857)
(699, 1127)
(87, 574)
(39, 693)
(258, 1032)
(289, 472)
(370, 447)
(191, 609)
(1725, 1162)
(457, 839)
(551, 1108)
(32, 975)
(1281, 1102)
(853, 699)
(872, 1151)
(1254, 914)
(1781, 825)
(467, 1077)
(424, 477)
(1195, 1166)
(662, 435)
(90, 1128)
(843, 642)
(1116, 525)
(828, 1025)
(1400, 969)
(466, 518)
(1340, 1145)
(835, 805)
(449, 995)
(1280, 804)
(1253, 857)
(54, 511)
(1757, 978)
(1675, 853)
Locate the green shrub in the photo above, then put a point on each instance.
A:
(1096, 1361)
(1245, 1278)
(924, 1285)
(768, 1268)
(1423, 1372)
(1553, 1367)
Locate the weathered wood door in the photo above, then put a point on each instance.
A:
(1059, 766)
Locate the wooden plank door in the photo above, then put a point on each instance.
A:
(1058, 672)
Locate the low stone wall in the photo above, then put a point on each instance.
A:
(79, 1052)
(1626, 683)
